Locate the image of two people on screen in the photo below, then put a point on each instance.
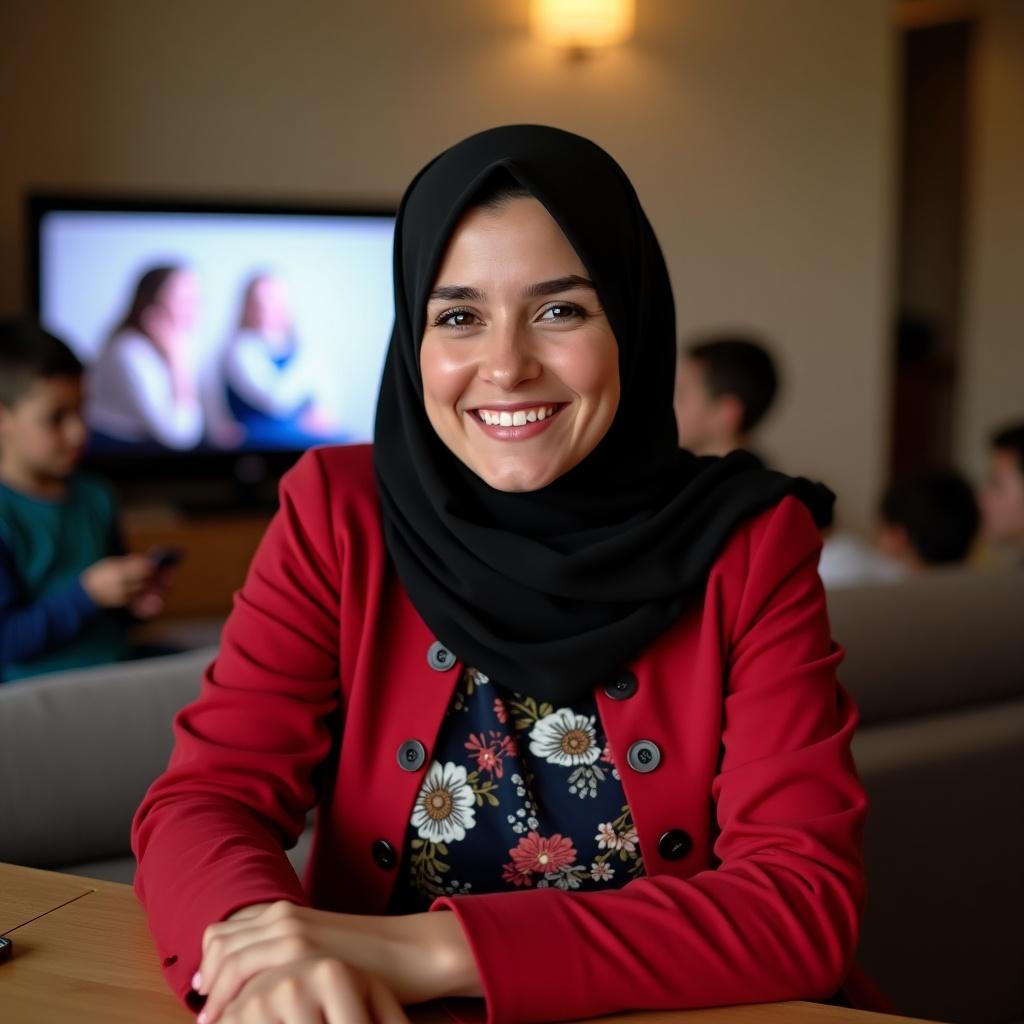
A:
(151, 387)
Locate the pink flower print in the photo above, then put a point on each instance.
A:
(601, 872)
(500, 711)
(606, 755)
(535, 853)
(489, 753)
(607, 838)
(510, 873)
(487, 758)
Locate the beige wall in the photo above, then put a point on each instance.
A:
(992, 371)
(758, 133)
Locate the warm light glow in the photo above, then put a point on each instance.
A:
(582, 24)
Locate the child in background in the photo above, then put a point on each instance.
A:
(65, 585)
(929, 519)
(724, 388)
(926, 521)
(1002, 495)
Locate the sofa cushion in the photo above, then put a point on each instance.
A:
(79, 749)
(943, 849)
(943, 640)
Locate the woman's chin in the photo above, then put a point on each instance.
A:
(517, 477)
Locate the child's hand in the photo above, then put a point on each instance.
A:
(147, 605)
(151, 601)
(116, 582)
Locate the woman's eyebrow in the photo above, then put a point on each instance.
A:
(465, 293)
(558, 284)
(457, 293)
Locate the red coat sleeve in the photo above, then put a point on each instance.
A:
(778, 917)
(210, 834)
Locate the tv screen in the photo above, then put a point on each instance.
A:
(216, 330)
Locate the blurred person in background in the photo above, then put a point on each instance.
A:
(144, 387)
(65, 581)
(271, 385)
(1002, 495)
(926, 520)
(724, 388)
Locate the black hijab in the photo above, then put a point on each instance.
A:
(550, 592)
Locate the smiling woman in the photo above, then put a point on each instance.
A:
(513, 653)
(521, 378)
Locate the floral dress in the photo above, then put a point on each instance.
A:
(520, 794)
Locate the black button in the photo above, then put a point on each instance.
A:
(622, 686)
(384, 853)
(674, 844)
(643, 756)
(439, 658)
(411, 755)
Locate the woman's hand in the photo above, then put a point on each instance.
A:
(418, 957)
(311, 991)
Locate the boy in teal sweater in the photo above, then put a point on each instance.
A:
(68, 593)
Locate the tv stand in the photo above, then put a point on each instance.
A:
(219, 543)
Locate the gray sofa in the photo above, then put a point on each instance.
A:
(936, 666)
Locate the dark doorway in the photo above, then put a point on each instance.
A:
(932, 199)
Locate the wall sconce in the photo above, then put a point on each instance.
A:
(582, 26)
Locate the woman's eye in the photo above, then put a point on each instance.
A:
(563, 311)
(455, 318)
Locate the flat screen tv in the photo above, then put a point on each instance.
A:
(220, 340)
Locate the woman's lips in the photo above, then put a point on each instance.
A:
(517, 431)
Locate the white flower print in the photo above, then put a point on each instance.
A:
(565, 738)
(524, 818)
(583, 781)
(477, 677)
(607, 838)
(601, 871)
(444, 807)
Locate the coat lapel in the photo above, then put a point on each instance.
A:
(395, 697)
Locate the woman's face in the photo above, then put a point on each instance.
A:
(179, 299)
(520, 367)
(267, 306)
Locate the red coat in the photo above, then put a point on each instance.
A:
(323, 674)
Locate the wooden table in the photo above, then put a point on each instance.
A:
(83, 955)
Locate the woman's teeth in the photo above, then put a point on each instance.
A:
(519, 418)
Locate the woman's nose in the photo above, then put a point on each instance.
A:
(508, 360)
